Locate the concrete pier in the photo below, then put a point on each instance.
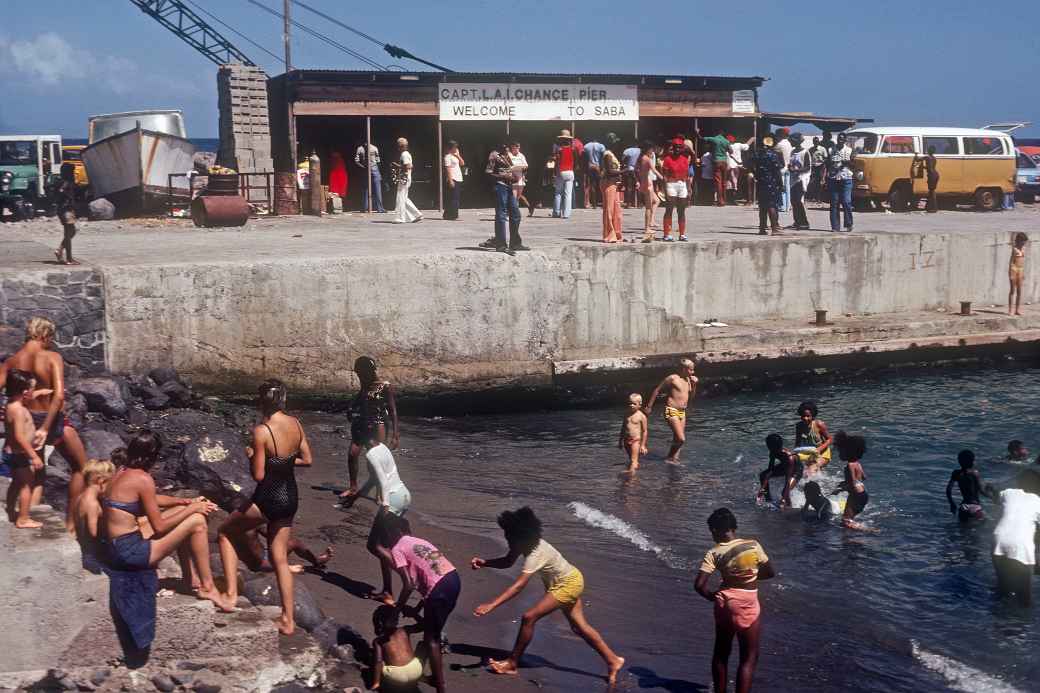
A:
(301, 298)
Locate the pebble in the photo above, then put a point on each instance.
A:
(163, 682)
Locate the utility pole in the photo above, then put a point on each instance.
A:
(287, 40)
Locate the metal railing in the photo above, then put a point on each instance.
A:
(197, 182)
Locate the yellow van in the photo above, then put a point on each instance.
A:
(974, 165)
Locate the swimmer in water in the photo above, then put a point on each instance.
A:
(1017, 451)
(851, 450)
(742, 563)
(681, 388)
(1017, 272)
(817, 506)
(782, 463)
(634, 430)
(972, 488)
(810, 432)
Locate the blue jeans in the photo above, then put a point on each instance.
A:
(507, 215)
(841, 193)
(785, 200)
(563, 194)
(377, 193)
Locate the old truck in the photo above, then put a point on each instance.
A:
(29, 164)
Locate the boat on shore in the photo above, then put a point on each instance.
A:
(131, 156)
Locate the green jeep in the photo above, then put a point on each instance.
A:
(29, 165)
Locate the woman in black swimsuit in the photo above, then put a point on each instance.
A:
(131, 495)
(275, 499)
(372, 410)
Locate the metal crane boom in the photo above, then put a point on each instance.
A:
(193, 30)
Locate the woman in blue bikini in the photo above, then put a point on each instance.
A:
(130, 495)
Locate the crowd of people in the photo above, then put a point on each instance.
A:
(125, 527)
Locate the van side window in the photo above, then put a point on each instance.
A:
(943, 145)
(898, 144)
(983, 146)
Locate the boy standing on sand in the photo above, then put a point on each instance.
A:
(634, 431)
(681, 388)
(1017, 272)
(19, 453)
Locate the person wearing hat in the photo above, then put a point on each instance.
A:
(769, 183)
(405, 209)
(800, 168)
(563, 157)
(676, 169)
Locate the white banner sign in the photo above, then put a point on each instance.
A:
(564, 102)
(744, 101)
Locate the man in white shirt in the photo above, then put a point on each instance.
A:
(785, 147)
(405, 210)
(736, 166)
(371, 162)
(453, 164)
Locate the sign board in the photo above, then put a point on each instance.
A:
(513, 101)
(744, 101)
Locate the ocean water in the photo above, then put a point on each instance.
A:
(908, 608)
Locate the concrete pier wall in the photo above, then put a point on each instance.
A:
(466, 319)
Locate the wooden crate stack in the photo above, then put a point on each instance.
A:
(245, 127)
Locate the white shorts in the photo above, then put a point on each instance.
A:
(675, 188)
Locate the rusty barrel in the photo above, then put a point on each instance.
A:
(222, 184)
(285, 202)
(219, 210)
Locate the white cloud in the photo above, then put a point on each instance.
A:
(49, 60)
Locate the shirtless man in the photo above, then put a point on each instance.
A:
(52, 428)
(681, 388)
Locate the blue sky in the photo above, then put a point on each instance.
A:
(947, 62)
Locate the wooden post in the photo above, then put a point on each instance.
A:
(440, 165)
(287, 42)
(368, 159)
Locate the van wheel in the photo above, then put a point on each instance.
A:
(899, 197)
(988, 199)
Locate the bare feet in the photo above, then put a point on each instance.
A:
(503, 666)
(223, 602)
(384, 597)
(296, 568)
(324, 557)
(613, 669)
(285, 625)
(28, 524)
(349, 493)
(1018, 312)
(58, 256)
(672, 460)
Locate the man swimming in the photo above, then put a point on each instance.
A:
(817, 506)
(1017, 451)
(681, 388)
(971, 486)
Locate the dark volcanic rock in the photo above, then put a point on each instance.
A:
(101, 210)
(100, 443)
(215, 463)
(263, 591)
(161, 376)
(104, 394)
(179, 395)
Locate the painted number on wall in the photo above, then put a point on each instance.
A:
(922, 260)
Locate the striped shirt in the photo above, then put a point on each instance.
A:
(737, 560)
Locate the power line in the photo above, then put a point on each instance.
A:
(319, 36)
(230, 28)
(338, 23)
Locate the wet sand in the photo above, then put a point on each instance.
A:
(557, 660)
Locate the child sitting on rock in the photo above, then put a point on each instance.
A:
(86, 512)
(394, 664)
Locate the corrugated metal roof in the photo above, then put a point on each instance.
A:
(676, 81)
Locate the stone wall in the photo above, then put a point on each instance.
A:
(74, 300)
(470, 319)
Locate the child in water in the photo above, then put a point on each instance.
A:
(817, 506)
(634, 431)
(1017, 272)
(1017, 451)
(812, 441)
(971, 486)
(742, 563)
(25, 462)
(394, 664)
(851, 449)
(86, 512)
(782, 463)
(564, 585)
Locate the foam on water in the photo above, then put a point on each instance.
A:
(616, 525)
(960, 677)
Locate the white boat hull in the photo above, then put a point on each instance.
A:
(137, 164)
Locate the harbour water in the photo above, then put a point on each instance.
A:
(908, 608)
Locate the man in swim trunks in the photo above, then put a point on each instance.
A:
(52, 428)
(971, 486)
(742, 563)
(681, 388)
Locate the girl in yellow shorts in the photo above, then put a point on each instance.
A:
(563, 582)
